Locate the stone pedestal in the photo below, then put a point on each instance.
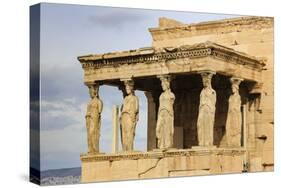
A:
(158, 164)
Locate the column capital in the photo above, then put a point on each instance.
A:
(152, 96)
(236, 80)
(126, 79)
(167, 77)
(163, 75)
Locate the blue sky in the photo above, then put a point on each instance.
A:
(68, 31)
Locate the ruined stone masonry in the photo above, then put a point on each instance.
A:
(209, 89)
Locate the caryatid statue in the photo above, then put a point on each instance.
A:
(234, 116)
(129, 116)
(207, 108)
(165, 120)
(93, 119)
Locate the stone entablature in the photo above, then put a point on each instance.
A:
(171, 60)
(182, 30)
(150, 55)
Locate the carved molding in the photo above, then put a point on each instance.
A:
(166, 54)
(144, 58)
(161, 154)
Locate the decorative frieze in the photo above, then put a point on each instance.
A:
(166, 54)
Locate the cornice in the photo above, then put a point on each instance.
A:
(153, 55)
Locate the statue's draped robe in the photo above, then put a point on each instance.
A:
(206, 117)
(93, 122)
(129, 118)
(165, 120)
(234, 121)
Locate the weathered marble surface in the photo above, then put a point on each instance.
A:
(93, 119)
(159, 164)
(234, 116)
(207, 108)
(165, 121)
(129, 116)
(250, 35)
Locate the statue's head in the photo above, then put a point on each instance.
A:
(207, 79)
(234, 88)
(165, 82)
(235, 82)
(129, 86)
(94, 90)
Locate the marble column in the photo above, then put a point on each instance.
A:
(115, 129)
(233, 128)
(151, 119)
(207, 109)
(165, 117)
(129, 116)
(93, 119)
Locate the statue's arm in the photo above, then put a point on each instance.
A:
(100, 106)
(88, 113)
(121, 108)
(87, 116)
(173, 97)
(201, 100)
(137, 109)
(213, 102)
(215, 97)
(137, 105)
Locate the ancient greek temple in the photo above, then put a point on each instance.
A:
(203, 93)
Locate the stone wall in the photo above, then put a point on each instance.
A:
(157, 164)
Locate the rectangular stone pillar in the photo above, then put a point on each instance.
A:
(115, 129)
(151, 121)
